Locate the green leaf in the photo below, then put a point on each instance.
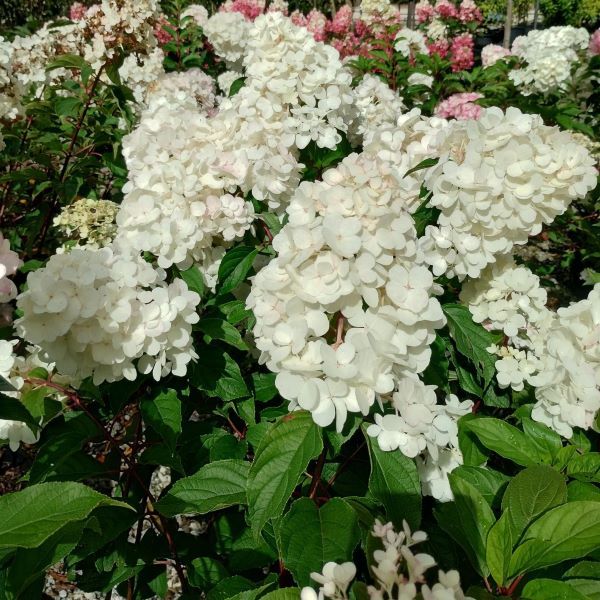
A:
(424, 164)
(566, 532)
(263, 385)
(468, 520)
(67, 106)
(505, 440)
(31, 516)
(283, 594)
(394, 481)
(236, 86)
(163, 414)
(194, 280)
(218, 375)
(489, 483)
(29, 564)
(13, 410)
(309, 537)
(205, 572)
(473, 451)
(531, 493)
(550, 589)
(585, 467)
(281, 457)
(216, 485)
(220, 329)
(67, 61)
(581, 490)
(425, 215)
(235, 266)
(472, 339)
(546, 440)
(498, 549)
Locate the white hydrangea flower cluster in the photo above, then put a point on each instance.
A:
(378, 13)
(410, 42)
(9, 263)
(177, 89)
(398, 571)
(568, 381)
(550, 56)
(14, 432)
(97, 312)
(89, 221)
(498, 180)
(507, 298)
(347, 261)
(107, 25)
(377, 105)
(228, 34)
(557, 353)
(197, 12)
(186, 169)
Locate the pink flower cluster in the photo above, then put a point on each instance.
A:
(249, 8)
(462, 53)
(77, 11)
(459, 19)
(460, 106)
(161, 34)
(595, 42)
(465, 12)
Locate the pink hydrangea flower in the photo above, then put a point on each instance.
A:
(77, 11)
(595, 42)
(460, 106)
(160, 33)
(316, 22)
(469, 12)
(445, 9)
(341, 23)
(424, 12)
(440, 47)
(298, 18)
(249, 8)
(462, 52)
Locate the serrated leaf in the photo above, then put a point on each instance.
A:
(281, 457)
(31, 516)
(220, 329)
(13, 410)
(194, 280)
(205, 572)
(505, 440)
(264, 386)
(550, 589)
(218, 375)
(234, 267)
(489, 483)
(532, 492)
(394, 481)
(163, 414)
(585, 467)
(472, 339)
(566, 532)
(468, 520)
(216, 485)
(309, 537)
(498, 549)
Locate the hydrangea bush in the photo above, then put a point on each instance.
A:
(268, 325)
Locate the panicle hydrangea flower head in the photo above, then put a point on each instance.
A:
(499, 179)
(462, 53)
(97, 312)
(89, 221)
(550, 56)
(250, 9)
(424, 11)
